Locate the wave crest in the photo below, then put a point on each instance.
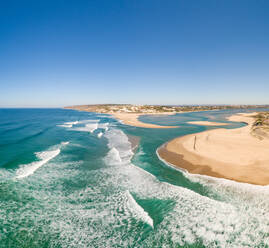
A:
(44, 157)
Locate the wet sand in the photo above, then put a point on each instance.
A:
(226, 153)
(134, 140)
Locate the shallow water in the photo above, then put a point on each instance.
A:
(62, 184)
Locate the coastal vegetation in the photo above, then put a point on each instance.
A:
(260, 127)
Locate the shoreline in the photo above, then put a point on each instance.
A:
(131, 119)
(232, 154)
(134, 141)
(207, 123)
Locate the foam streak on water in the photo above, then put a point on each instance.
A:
(120, 147)
(238, 219)
(68, 124)
(99, 135)
(44, 157)
(89, 126)
(95, 196)
(104, 126)
(137, 210)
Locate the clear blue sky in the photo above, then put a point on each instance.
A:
(57, 53)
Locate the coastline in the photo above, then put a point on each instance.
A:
(134, 140)
(224, 153)
(131, 119)
(207, 123)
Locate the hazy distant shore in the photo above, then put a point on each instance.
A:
(226, 153)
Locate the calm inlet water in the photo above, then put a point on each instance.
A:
(71, 179)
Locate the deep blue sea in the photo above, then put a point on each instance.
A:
(72, 179)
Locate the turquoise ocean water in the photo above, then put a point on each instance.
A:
(71, 179)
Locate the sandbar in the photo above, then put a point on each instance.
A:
(207, 123)
(233, 154)
(132, 120)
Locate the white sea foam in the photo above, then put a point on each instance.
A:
(113, 157)
(120, 147)
(92, 127)
(65, 125)
(72, 122)
(89, 121)
(88, 127)
(99, 135)
(44, 157)
(171, 165)
(68, 124)
(104, 126)
(236, 215)
(255, 195)
(65, 143)
(238, 218)
(137, 210)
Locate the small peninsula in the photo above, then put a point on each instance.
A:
(238, 154)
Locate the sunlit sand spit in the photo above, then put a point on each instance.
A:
(234, 154)
(207, 123)
(132, 120)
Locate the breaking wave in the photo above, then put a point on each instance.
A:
(120, 147)
(104, 126)
(137, 211)
(68, 124)
(89, 126)
(113, 157)
(43, 157)
(85, 207)
(231, 215)
(99, 135)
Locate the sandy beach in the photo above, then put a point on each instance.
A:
(132, 120)
(207, 123)
(226, 153)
